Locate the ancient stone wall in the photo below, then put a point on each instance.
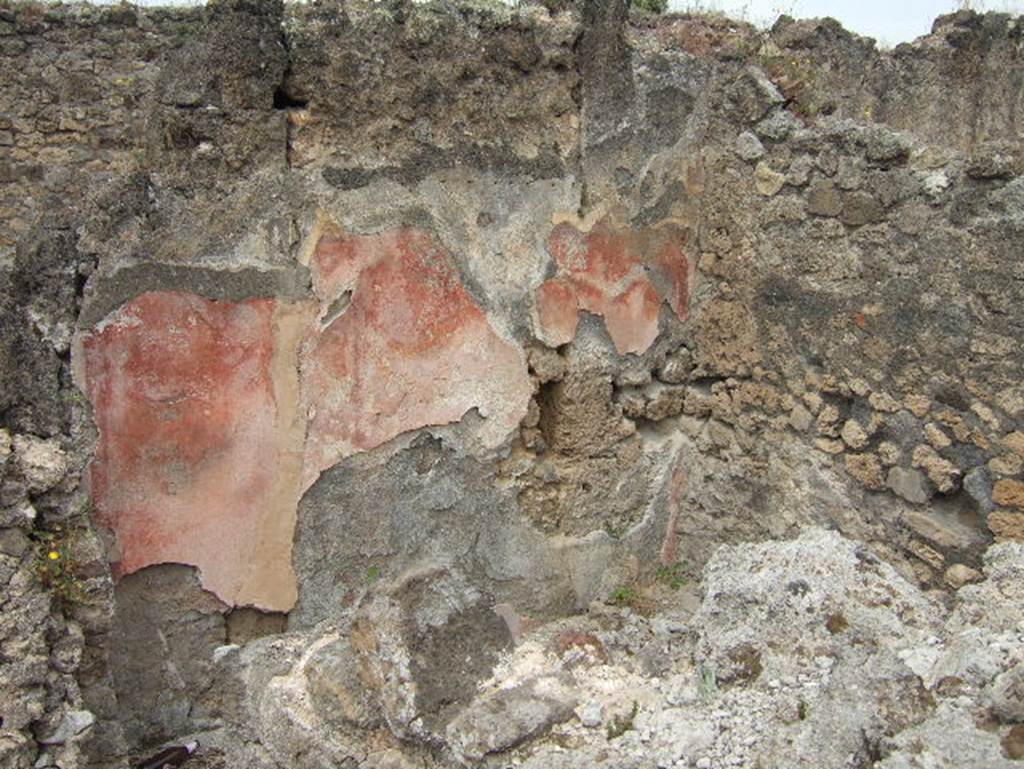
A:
(297, 299)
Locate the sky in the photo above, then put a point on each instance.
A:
(890, 22)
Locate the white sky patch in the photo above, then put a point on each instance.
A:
(890, 22)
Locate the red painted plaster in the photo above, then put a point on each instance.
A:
(214, 417)
(614, 273)
(187, 453)
(412, 349)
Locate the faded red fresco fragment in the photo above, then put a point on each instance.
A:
(669, 554)
(617, 274)
(412, 348)
(187, 456)
(214, 417)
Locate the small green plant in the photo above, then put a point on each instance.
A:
(624, 595)
(77, 396)
(55, 565)
(619, 726)
(372, 575)
(707, 681)
(674, 576)
(614, 531)
(651, 6)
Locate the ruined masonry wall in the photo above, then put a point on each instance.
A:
(295, 296)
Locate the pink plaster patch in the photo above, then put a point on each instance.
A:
(614, 273)
(214, 417)
(187, 454)
(411, 349)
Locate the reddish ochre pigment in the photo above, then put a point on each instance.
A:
(214, 417)
(412, 349)
(187, 453)
(616, 274)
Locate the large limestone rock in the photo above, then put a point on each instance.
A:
(773, 609)
(426, 641)
(504, 718)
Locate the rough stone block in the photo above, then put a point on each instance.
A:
(426, 642)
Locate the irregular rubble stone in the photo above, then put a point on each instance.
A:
(42, 463)
(909, 484)
(71, 726)
(943, 473)
(426, 641)
(867, 469)
(502, 719)
(767, 181)
(1006, 525)
(959, 575)
(749, 147)
(1009, 493)
(822, 199)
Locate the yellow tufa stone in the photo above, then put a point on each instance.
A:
(1006, 525)
(1009, 493)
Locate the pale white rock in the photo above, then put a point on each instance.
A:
(42, 462)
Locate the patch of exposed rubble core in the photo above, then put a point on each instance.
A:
(804, 652)
(400, 384)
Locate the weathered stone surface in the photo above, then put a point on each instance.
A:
(820, 583)
(994, 604)
(870, 695)
(727, 343)
(959, 575)
(1006, 525)
(198, 150)
(823, 200)
(502, 719)
(426, 641)
(749, 147)
(768, 181)
(1015, 442)
(909, 484)
(366, 519)
(165, 632)
(867, 469)
(1006, 695)
(941, 472)
(950, 738)
(42, 463)
(620, 275)
(1009, 493)
(71, 727)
